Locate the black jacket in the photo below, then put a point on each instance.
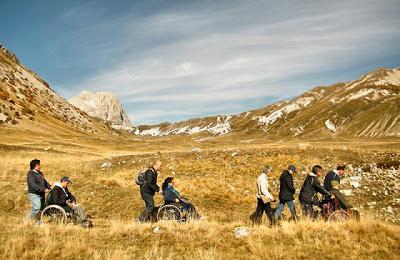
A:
(286, 189)
(309, 190)
(59, 197)
(150, 186)
(330, 176)
(37, 184)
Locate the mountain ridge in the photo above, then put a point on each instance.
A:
(340, 105)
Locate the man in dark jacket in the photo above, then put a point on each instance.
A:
(61, 196)
(334, 175)
(37, 186)
(309, 190)
(286, 192)
(149, 189)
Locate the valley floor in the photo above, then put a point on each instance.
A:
(219, 177)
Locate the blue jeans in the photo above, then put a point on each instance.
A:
(281, 205)
(37, 202)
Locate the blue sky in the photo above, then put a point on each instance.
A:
(174, 60)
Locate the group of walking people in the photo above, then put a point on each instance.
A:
(308, 193)
(60, 195)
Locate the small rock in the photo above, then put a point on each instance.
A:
(106, 165)
(241, 232)
(157, 230)
(355, 184)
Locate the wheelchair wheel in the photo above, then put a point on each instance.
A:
(54, 214)
(339, 216)
(169, 212)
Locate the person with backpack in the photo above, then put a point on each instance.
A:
(148, 188)
(264, 198)
(286, 192)
(308, 193)
(37, 186)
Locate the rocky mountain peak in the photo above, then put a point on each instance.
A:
(103, 105)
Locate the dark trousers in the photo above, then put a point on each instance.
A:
(261, 208)
(308, 209)
(149, 201)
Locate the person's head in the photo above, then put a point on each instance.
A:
(292, 169)
(167, 181)
(341, 169)
(35, 165)
(317, 170)
(65, 181)
(157, 165)
(335, 184)
(266, 169)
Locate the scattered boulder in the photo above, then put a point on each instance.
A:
(241, 232)
(106, 165)
(157, 230)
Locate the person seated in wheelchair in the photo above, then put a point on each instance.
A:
(172, 196)
(61, 196)
(342, 201)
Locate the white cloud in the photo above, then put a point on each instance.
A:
(241, 52)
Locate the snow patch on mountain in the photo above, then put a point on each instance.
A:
(365, 92)
(151, 132)
(284, 111)
(330, 126)
(354, 84)
(220, 127)
(392, 78)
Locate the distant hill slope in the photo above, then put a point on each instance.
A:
(367, 107)
(103, 105)
(28, 102)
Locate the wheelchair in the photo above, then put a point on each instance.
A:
(176, 212)
(55, 214)
(331, 211)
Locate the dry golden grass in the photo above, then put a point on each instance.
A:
(219, 180)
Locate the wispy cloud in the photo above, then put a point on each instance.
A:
(223, 55)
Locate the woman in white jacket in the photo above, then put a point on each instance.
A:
(264, 198)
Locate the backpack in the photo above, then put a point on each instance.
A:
(140, 177)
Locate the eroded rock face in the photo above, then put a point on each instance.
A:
(103, 105)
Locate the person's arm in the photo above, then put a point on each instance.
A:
(317, 186)
(32, 182)
(48, 186)
(150, 180)
(71, 197)
(290, 185)
(264, 188)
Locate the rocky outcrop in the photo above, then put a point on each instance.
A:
(103, 105)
